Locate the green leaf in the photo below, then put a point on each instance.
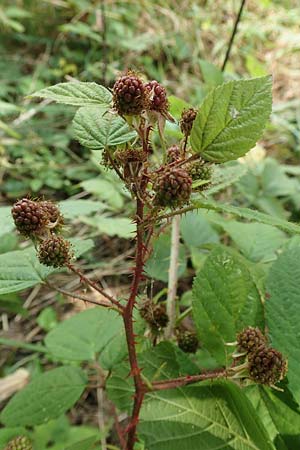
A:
(262, 240)
(71, 209)
(7, 224)
(21, 269)
(77, 93)
(225, 300)
(283, 310)
(104, 189)
(159, 363)
(281, 421)
(48, 396)
(157, 266)
(86, 444)
(85, 335)
(212, 75)
(196, 230)
(202, 417)
(248, 214)
(96, 130)
(231, 119)
(112, 226)
(224, 176)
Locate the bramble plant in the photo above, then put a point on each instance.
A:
(146, 358)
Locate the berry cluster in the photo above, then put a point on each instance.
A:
(187, 341)
(42, 221)
(154, 314)
(19, 443)
(172, 187)
(265, 365)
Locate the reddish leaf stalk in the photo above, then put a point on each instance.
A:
(188, 379)
(96, 287)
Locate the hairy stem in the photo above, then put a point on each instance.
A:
(173, 277)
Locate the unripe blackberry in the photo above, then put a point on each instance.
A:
(173, 187)
(266, 365)
(188, 341)
(129, 95)
(29, 217)
(187, 119)
(173, 154)
(54, 217)
(55, 252)
(154, 314)
(19, 443)
(200, 171)
(157, 96)
(250, 339)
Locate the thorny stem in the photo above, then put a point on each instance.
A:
(95, 286)
(128, 323)
(173, 277)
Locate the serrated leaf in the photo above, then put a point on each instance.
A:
(87, 334)
(224, 176)
(21, 269)
(48, 396)
(225, 300)
(283, 310)
(202, 417)
(277, 415)
(248, 214)
(159, 363)
(96, 130)
(231, 119)
(76, 93)
(262, 240)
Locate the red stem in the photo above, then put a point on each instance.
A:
(135, 371)
(188, 379)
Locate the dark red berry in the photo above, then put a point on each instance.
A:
(129, 95)
(157, 96)
(29, 217)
